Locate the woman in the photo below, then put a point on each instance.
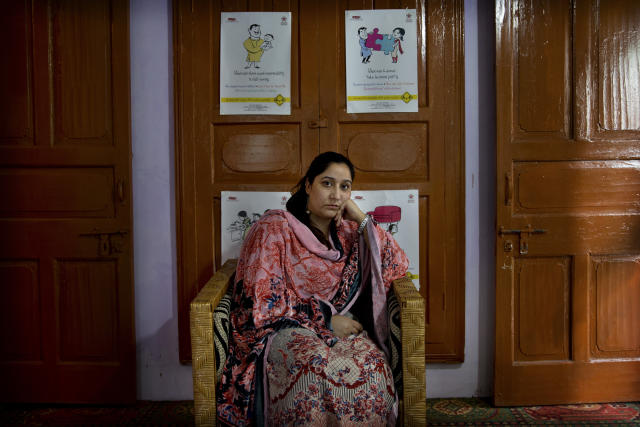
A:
(296, 353)
(398, 35)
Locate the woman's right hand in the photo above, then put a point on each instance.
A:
(344, 326)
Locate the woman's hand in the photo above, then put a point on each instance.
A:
(344, 326)
(350, 211)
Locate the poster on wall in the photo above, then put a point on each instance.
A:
(255, 63)
(382, 61)
(396, 211)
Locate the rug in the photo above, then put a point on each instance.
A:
(440, 412)
(479, 412)
(142, 413)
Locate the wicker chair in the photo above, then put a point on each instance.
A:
(413, 405)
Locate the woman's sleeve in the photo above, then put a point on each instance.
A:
(265, 282)
(394, 261)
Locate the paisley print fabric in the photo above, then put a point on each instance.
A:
(286, 278)
(311, 384)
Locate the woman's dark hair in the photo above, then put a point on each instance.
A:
(297, 203)
(401, 31)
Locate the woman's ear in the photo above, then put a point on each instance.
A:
(307, 186)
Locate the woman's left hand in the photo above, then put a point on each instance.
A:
(350, 211)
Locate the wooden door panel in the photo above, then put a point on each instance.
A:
(19, 294)
(615, 307)
(81, 53)
(57, 192)
(65, 214)
(249, 153)
(16, 123)
(568, 164)
(542, 306)
(383, 154)
(542, 48)
(576, 187)
(87, 307)
(607, 70)
(618, 41)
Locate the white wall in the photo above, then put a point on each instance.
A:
(160, 375)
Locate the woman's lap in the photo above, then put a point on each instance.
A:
(310, 383)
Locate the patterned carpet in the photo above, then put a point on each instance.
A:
(479, 412)
(440, 412)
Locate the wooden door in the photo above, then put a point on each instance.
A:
(391, 151)
(568, 245)
(66, 289)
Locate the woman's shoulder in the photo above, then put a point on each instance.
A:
(273, 221)
(273, 216)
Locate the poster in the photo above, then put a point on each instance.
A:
(381, 60)
(255, 63)
(395, 210)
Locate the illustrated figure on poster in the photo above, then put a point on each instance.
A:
(398, 36)
(268, 40)
(256, 46)
(365, 51)
(239, 228)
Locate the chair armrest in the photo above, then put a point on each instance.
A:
(202, 346)
(412, 327)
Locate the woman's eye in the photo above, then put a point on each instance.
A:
(326, 183)
(346, 187)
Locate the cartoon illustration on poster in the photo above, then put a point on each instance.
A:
(255, 63)
(396, 211)
(381, 60)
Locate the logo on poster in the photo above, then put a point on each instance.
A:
(283, 21)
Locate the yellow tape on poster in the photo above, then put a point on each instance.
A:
(406, 97)
(278, 99)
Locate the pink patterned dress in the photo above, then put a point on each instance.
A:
(285, 366)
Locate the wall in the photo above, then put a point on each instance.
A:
(474, 377)
(160, 375)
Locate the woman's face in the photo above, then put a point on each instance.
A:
(329, 191)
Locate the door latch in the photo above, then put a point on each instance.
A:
(524, 236)
(108, 242)
(320, 123)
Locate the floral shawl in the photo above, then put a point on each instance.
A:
(285, 277)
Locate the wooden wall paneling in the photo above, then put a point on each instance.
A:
(270, 153)
(421, 150)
